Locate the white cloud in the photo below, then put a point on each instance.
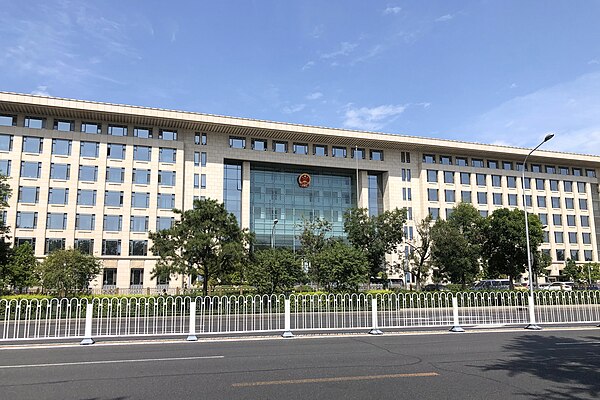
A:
(308, 65)
(293, 109)
(371, 119)
(570, 109)
(317, 31)
(345, 49)
(41, 91)
(513, 86)
(593, 61)
(314, 96)
(446, 17)
(392, 10)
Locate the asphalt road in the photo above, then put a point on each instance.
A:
(549, 364)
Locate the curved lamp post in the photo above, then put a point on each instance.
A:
(532, 324)
(275, 221)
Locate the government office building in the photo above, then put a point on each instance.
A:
(100, 176)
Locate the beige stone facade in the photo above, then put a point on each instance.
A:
(424, 175)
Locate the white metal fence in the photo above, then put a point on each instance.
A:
(28, 319)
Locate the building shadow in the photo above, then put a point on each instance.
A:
(571, 367)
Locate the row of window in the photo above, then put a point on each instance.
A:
(87, 222)
(110, 247)
(506, 165)
(278, 146)
(136, 278)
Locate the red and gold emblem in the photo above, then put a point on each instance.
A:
(304, 180)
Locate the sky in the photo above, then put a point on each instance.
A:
(500, 72)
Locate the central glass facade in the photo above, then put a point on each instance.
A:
(275, 194)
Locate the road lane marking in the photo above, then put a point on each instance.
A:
(575, 344)
(108, 362)
(335, 379)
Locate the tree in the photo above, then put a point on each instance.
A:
(68, 271)
(5, 251)
(339, 266)
(421, 254)
(580, 273)
(505, 246)
(541, 261)
(456, 244)
(314, 237)
(376, 235)
(22, 267)
(206, 241)
(275, 271)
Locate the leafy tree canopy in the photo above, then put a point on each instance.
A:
(22, 267)
(69, 271)
(340, 267)
(275, 271)
(421, 253)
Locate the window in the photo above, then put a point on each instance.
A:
(29, 194)
(88, 173)
(113, 223)
(446, 160)
(30, 169)
(432, 195)
(138, 248)
(577, 171)
(8, 120)
(586, 238)
(89, 149)
(477, 163)
(203, 159)
(236, 142)
(338, 152)
(260, 144)
(512, 199)
(541, 201)
(465, 178)
(450, 196)
(465, 196)
(483, 213)
(111, 247)
(27, 220)
(570, 220)
(201, 139)
(58, 196)
(536, 168)
(56, 221)
(142, 153)
(115, 175)
(64, 125)
(497, 199)
(137, 276)
(406, 175)
(34, 123)
(360, 153)
(117, 130)
(54, 244)
(539, 184)
(20, 241)
(196, 180)
(492, 164)
(406, 194)
(543, 218)
(166, 201)
(116, 151)
(590, 173)
(280, 147)
(85, 222)
(568, 186)
(481, 198)
(141, 176)
(91, 127)
(581, 187)
(555, 202)
(587, 255)
(138, 223)
(409, 213)
(6, 142)
(448, 177)
(86, 246)
(86, 197)
(556, 219)
(434, 212)
(432, 175)
(563, 170)
(462, 161)
(144, 133)
(113, 199)
(32, 144)
(583, 204)
(377, 155)
(480, 178)
(61, 147)
(550, 169)
(320, 150)
(507, 165)
(404, 157)
(428, 159)
(5, 167)
(196, 158)
(560, 255)
(527, 183)
(164, 223)
(203, 181)
(554, 185)
(167, 155)
(140, 200)
(574, 255)
(558, 237)
(511, 182)
(569, 203)
(585, 221)
(573, 237)
(496, 181)
(167, 134)
(166, 178)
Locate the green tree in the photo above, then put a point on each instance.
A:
(376, 235)
(573, 271)
(456, 244)
(23, 267)
(340, 267)
(206, 241)
(541, 261)
(505, 246)
(5, 251)
(421, 254)
(68, 271)
(315, 235)
(275, 271)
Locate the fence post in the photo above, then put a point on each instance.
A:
(87, 337)
(456, 327)
(287, 331)
(375, 329)
(192, 333)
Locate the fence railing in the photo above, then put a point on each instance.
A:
(27, 319)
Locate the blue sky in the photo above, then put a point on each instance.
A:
(502, 72)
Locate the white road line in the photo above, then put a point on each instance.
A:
(107, 362)
(575, 344)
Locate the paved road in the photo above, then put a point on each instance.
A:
(491, 365)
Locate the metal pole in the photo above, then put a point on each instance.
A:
(357, 188)
(275, 221)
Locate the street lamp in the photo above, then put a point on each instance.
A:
(532, 324)
(275, 221)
